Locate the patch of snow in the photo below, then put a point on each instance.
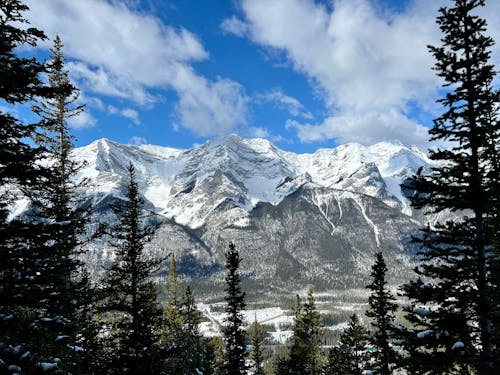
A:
(421, 311)
(47, 366)
(338, 327)
(424, 334)
(457, 345)
(320, 202)
(368, 220)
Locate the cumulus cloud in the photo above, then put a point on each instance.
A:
(366, 128)
(370, 67)
(281, 100)
(212, 108)
(122, 53)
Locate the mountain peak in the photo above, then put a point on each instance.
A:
(188, 184)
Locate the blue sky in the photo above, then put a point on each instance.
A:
(304, 74)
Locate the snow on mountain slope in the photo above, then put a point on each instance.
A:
(188, 185)
(296, 217)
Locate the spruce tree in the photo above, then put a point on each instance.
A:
(349, 357)
(255, 337)
(133, 315)
(453, 333)
(496, 299)
(305, 356)
(57, 202)
(234, 336)
(381, 311)
(172, 338)
(20, 260)
(192, 343)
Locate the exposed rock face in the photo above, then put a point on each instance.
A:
(311, 218)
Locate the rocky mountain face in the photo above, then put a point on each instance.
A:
(297, 219)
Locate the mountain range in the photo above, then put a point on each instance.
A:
(297, 219)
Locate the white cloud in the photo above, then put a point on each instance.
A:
(129, 113)
(259, 132)
(235, 26)
(135, 140)
(100, 81)
(366, 128)
(211, 108)
(370, 67)
(125, 54)
(292, 105)
(83, 120)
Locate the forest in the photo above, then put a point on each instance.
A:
(55, 320)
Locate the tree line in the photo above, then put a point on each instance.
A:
(54, 320)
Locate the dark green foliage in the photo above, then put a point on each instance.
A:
(349, 356)
(305, 355)
(234, 336)
(23, 263)
(133, 316)
(496, 297)
(256, 337)
(213, 356)
(185, 350)
(381, 311)
(455, 254)
(172, 338)
(56, 201)
(193, 343)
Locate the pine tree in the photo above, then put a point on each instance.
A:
(256, 342)
(305, 355)
(454, 333)
(20, 261)
(234, 336)
(133, 315)
(381, 311)
(349, 357)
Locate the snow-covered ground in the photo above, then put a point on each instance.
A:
(279, 319)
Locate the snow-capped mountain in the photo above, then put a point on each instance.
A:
(318, 217)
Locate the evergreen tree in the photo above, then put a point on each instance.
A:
(256, 342)
(454, 333)
(88, 347)
(381, 311)
(173, 333)
(20, 260)
(57, 202)
(192, 342)
(213, 356)
(173, 283)
(496, 299)
(305, 355)
(234, 336)
(349, 357)
(133, 315)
